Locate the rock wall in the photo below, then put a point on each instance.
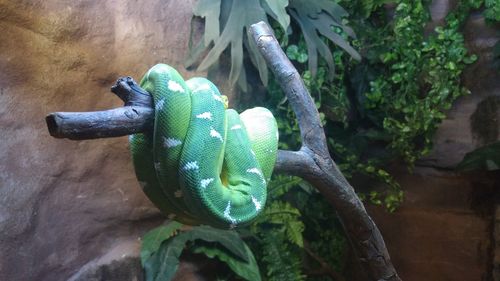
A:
(65, 205)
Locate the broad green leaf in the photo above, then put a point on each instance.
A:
(210, 10)
(163, 263)
(314, 44)
(152, 240)
(241, 15)
(484, 158)
(227, 238)
(318, 18)
(247, 270)
(234, 17)
(277, 9)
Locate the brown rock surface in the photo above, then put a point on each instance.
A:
(65, 203)
(437, 234)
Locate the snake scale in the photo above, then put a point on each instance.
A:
(203, 163)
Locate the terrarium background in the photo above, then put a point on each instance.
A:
(69, 209)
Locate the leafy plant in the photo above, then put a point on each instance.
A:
(162, 247)
(236, 16)
(492, 11)
(276, 235)
(484, 158)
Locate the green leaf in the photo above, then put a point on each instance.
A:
(281, 263)
(292, 52)
(246, 270)
(318, 18)
(281, 213)
(163, 263)
(227, 238)
(152, 240)
(281, 184)
(276, 8)
(241, 14)
(210, 10)
(293, 230)
(484, 158)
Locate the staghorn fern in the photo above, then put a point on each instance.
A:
(234, 17)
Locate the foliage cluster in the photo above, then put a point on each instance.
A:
(234, 17)
(388, 106)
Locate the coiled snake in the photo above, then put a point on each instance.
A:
(203, 163)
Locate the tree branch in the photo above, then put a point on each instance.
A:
(312, 162)
(317, 166)
(136, 116)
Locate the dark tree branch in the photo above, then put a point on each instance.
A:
(316, 165)
(100, 124)
(312, 162)
(136, 116)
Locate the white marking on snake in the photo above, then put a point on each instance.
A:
(255, 171)
(159, 105)
(202, 87)
(277, 135)
(178, 193)
(253, 153)
(205, 115)
(174, 86)
(143, 184)
(131, 137)
(227, 212)
(217, 98)
(191, 166)
(235, 127)
(205, 182)
(215, 134)
(171, 142)
(256, 203)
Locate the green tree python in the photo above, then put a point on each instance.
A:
(203, 163)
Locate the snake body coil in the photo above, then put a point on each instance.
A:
(203, 163)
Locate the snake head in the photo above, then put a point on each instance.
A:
(225, 100)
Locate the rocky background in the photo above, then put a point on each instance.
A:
(73, 210)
